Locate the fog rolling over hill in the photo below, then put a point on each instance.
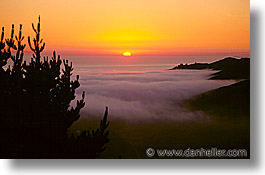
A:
(229, 68)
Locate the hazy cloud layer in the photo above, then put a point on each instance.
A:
(144, 95)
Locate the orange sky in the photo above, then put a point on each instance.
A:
(137, 26)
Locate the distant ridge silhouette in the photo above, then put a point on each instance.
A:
(230, 68)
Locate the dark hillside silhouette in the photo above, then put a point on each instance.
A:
(230, 68)
(35, 111)
(226, 102)
(229, 102)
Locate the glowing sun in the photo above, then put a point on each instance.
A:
(127, 54)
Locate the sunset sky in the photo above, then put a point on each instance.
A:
(137, 26)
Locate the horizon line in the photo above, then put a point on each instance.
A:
(142, 54)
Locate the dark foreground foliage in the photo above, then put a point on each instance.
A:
(35, 111)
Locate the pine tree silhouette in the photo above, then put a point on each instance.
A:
(35, 111)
